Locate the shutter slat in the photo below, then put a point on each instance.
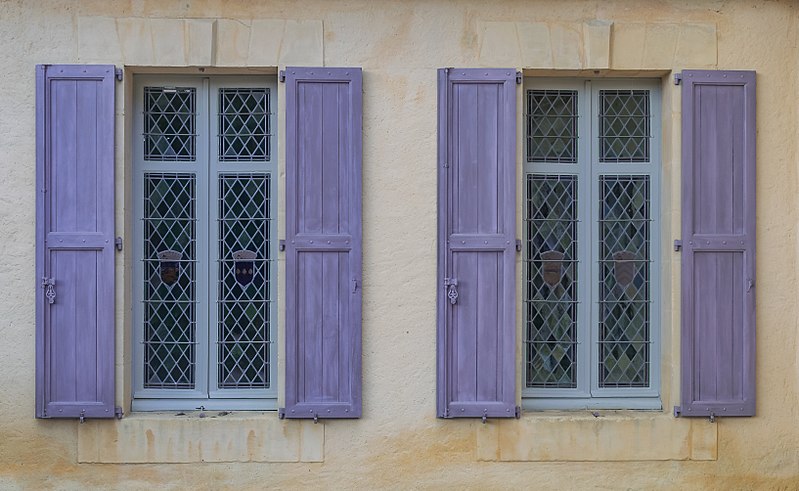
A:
(718, 258)
(75, 241)
(477, 200)
(323, 243)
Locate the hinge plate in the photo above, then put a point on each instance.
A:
(281, 75)
(118, 243)
(677, 245)
(118, 412)
(518, 78)
(281, 245)
(281, 413)
(518, 245)
(677, 411)
(677, 78)
(518, 412)
(118, 73)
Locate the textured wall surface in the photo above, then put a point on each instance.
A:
(399, 442)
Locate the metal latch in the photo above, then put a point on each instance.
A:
(82, 416)
(451, 284)
(49, 289)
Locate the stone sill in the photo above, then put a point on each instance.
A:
(581, 437)
(145, 438)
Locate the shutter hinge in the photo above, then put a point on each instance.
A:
(518, 245)
(281, 75)
(446, 164)
(82, 416)
(518, 78)
(118, 73)
(118, 243)
(118, 412)
(677, 78)
(712, 417)
(281, 245)
(677, 411)
(518, 412)
(677, 245)
(281, 413)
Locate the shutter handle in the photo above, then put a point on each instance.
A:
(49, 289)
(452, 289)
(750, 283)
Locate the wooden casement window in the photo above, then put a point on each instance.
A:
(591, 262)
(205, 245)
(591, 244)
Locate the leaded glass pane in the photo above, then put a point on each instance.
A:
(169, 280)
(552, 126)
(244, 124)
(244, 289)
(624, 126)
(551, 289)
(169, 123)
(624, 285)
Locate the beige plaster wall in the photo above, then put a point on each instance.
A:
(399, 442)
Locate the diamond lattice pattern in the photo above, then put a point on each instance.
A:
(551, 289)
(244, 289)
(552, 126)
(169, 123)
(243, 124)
(624, 287)
(169, 301)
(624, 125)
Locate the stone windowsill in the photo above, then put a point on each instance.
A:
(613, 436)
(168, 438)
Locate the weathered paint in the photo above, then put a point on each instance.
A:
(399, 442)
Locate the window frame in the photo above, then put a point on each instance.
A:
(587, 169)
(206, 167)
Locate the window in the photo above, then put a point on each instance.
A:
(204, 275)
(591, 210)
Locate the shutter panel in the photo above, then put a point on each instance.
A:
(477, 237)
(718, 257)
(323, 243)
(75, 241)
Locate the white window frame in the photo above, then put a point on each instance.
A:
(588, 394)
(206, 168)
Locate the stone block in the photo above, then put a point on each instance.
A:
(499, 46)
(704, 440)
(534, 45)
(303, 43)
(487, 447)
(566, 46)
(312, 442)
(232, 42)
(200, 42)
(266, 37)
(627, 46)
(135, 39)
(169, 41)
(660, 44)
(698, 46)
(98, 41)
(596, 43)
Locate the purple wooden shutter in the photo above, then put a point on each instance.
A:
(718, 256)
(477, 238)
(74, 241)
(323, 243)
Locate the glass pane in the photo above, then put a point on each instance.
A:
(551, 289)
(169, 123)
(244, 289)
(624, 287)
(624, 126)
(169, 280)
(243, 124)
(552, 126)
